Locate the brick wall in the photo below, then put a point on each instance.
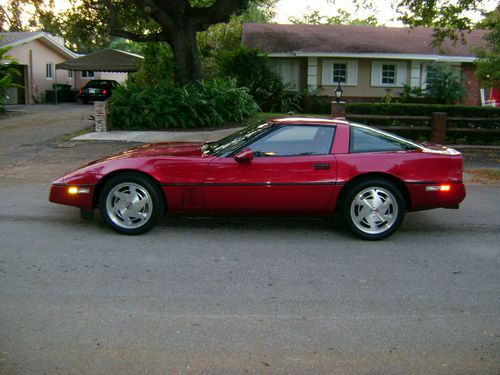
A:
(471, 84)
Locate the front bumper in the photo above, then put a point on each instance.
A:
(72, 195)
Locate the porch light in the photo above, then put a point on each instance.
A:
(338, 93)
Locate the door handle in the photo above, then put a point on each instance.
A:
(321, 166)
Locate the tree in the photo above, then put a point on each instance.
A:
(443, 84)
(449, 19)
(174, 22)
(488, 63)
(8, 72)
(342, 17)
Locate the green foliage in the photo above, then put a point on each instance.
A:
(449, 19)
(7, 74)
(280, 97)
(251, 69)
(165, 106)
(342, 17)
(411, 94)
(444, 84)
(218, 39)
(488, 63)
(158, 65)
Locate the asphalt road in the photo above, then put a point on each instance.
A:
(235, 296)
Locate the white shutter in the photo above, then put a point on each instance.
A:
(352, 72)
(376, 73)
(401, 74)
(289, 71)
(327, 72)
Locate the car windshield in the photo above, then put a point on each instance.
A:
(234, 141)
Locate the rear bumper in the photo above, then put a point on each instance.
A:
(423, 198)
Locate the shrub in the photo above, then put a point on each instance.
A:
(8, 72)
(251, 69)
(444, 84)
(166, 105)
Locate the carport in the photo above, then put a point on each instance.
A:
(105, 60)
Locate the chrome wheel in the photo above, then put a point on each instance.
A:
(129, 205)
(374, 210)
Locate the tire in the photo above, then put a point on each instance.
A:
(373, 209)
(85, 101)
(131, 203)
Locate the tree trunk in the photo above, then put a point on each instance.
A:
(185, 50)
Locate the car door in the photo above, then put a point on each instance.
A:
(292, 171)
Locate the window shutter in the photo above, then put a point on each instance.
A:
(376, 73)
(327, 72)
(352, 72)
(401, 74)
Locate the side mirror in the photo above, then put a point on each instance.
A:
(244, 155)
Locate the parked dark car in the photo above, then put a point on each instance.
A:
(97, 89)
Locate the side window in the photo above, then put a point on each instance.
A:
(295, 140)
(364, 140)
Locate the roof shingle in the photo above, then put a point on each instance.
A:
(275, 38)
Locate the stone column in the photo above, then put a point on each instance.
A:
(338, 109)
(101, 116)
(438, 127)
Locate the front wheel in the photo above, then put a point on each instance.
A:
(131, 204)
(373, 209)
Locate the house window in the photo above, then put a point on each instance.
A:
(70, 74)
(87, 74)
(48, 71)
(289, 72)
(388, 74)
(343, 71)
(340, 73)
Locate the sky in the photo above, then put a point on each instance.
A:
(297, 8)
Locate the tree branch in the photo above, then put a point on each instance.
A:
(117, 31)
(220, 11)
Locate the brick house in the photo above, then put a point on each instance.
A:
(366, 60)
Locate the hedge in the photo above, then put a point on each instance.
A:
(164, 106)
(322, 105)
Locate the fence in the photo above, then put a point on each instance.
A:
(439, 124)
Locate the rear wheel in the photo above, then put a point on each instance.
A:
(131, 203)
(373, 209)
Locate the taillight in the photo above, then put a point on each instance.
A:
(104, 92)
(81, 91)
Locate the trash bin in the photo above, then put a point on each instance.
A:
(63, 92)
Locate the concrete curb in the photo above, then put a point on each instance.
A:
(156, 136)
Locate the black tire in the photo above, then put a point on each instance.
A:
(373, 209)
(85, 101)
(131, 203)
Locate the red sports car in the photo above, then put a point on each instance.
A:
(289, 166)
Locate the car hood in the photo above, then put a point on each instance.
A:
(183, 149)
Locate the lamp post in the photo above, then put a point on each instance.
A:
(338, 93)
(338, 107)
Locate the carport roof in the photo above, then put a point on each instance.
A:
(106, 60)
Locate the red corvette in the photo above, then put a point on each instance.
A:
(290, 166)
